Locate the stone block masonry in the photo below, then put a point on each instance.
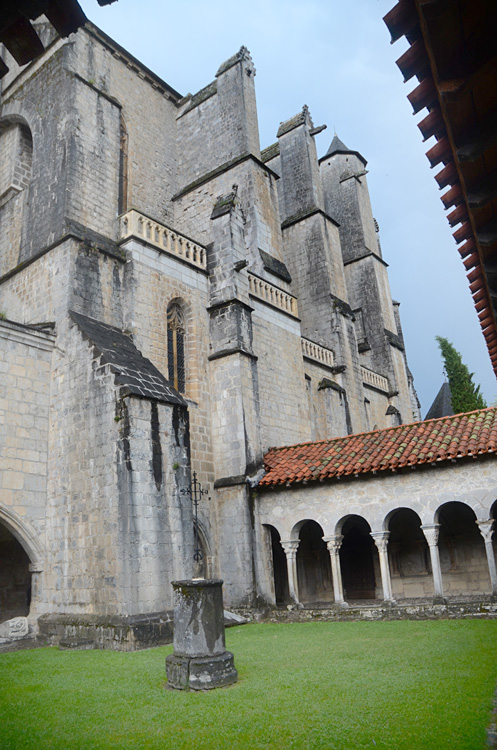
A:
(159, 278)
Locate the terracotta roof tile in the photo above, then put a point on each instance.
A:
(443, 439)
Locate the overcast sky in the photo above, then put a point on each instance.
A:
(336, 57)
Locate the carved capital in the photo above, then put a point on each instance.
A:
(381, 539)
(486, 529)
(431, 532)
(290, 546)
(333, 542)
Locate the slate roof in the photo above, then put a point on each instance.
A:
(132, 371)
(442, 404)
(338, 147)
(454, 437)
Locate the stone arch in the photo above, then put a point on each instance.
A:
(408, 554)
(20, 565)
(388, 510)
(493, 510)
(493, 515)
(295, 532)
(279, 566)
(358, 558)
(461, 547)
(313, 566)
(25, 535)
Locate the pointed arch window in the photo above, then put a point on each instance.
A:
(123, 167)
(176, 346)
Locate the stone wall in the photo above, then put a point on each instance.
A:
(24, 419)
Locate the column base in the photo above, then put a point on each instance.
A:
(439, 600)
(389, 603)
(338, 606)
(203, 673)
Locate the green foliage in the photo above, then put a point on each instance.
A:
(408, 685)
(466, 396)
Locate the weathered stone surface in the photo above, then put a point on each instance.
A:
(212, 672)
(198, 618)
(17, 627)
(200, 660)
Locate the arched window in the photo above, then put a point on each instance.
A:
(123, 167)
(16, 147)
(176, 346)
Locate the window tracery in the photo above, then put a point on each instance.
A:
(176, 346)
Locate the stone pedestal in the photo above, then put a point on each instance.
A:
(200, 660)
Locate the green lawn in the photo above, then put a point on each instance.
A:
(397, 685)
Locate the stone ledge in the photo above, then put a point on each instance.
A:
(116, 632)
(228, 352)
(427, 610)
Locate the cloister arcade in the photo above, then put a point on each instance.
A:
(402, 556)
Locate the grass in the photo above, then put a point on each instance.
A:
(339, 686)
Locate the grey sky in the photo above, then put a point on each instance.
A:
(335, 56)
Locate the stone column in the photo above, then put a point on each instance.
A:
(486, 530)
(381, 541)
(334, 543)
(291, 548)
(431, 532)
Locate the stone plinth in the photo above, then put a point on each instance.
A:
(200, 660)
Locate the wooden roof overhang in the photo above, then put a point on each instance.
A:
(453, 54)
(19, 36)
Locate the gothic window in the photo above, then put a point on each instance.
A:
(176, 346)
(16, 147)
(123, 168)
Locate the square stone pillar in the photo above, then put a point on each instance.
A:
(200, 660)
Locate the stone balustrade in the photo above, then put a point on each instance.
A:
(376, 381)
(271, 294)
(135, 224)
(318, 353)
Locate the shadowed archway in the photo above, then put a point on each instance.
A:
(409, 556)
(313, 566)
(280, 570)
(357, 555)
(462, 551)
(15, 577)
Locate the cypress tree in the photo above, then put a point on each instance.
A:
(466, 396)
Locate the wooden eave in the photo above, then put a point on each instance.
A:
(453, 54)
(18, 34)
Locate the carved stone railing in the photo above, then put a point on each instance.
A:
(271, 294)
(317, 353)
(135, 224)
(373, 379)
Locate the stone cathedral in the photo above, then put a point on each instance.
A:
(175, 300)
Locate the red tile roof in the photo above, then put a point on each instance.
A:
(435, 440)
